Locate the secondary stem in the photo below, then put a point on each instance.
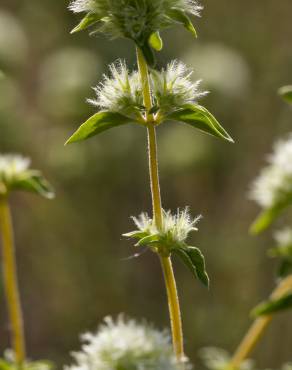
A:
(257, 329)
(10, 281)
(172, 296)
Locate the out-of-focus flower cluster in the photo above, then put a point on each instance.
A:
(125, 344)
(219, 359)
(15, 174)
(273, 187)
(8, 363)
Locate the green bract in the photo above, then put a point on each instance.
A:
(138, 20)
(283, 251)
(174, 97)
(286, 93)
(273, 305)
(15, 174)
(8, 363)
(171, 239)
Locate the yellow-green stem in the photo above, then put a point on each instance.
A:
(257, 329)
(172, 296)
(10, 281)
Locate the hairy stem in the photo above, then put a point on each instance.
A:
(172, 296)
(10, 281)
(257, 329)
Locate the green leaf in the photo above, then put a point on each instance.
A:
(148, 240)
(200, 118)
(181, 17)
(155, 41)
(285, 268)
(269, 215)
(98, 123)
(193, 258)
(137, 234)
(34, 182)
(286, 93)
(273, 306)
(86, 22)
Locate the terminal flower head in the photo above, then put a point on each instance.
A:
(136, 20)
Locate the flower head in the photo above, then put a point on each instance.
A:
(219, 359)
(175, 227)
(173, 87)
(125, 344)
(283, 249)
(284, 237)
(132, 19)
(121, 92)
(273, 186)
(15, 174)
(170, 238)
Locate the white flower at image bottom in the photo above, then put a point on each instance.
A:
(125, 345)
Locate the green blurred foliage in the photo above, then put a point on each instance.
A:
(72, 260)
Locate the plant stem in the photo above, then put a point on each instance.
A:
(172, 296)
(257, 329)
(10, 281)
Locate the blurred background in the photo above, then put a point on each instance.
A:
(73, 266)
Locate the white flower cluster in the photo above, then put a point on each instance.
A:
(218, 359)
(131, 18)
(176, 226)
(125, 344)
(274, 184)
(174, 88)
(12, 166)
(121, 92)
(284, 237)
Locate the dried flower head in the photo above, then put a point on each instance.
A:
(125, 344)
(136, 20)
(273, 187)
(173, 87)
(15, 174)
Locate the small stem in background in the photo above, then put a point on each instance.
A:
(10, 281)
(172, 296)
(257, 329)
